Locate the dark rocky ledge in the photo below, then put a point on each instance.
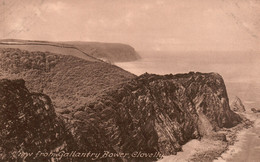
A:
(29, 123)
(150, 114)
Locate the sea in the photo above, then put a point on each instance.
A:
(239, 69)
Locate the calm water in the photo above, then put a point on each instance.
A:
(240, 70)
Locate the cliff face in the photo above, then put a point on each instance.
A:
(30, 130)
(149, 114)
(104, 108)
(160, 113)
(28, 123)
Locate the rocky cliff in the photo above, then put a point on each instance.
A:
(30, 130)
(237, 105)
(29, 124)
(160, 113)
(148, 114)
(104, 108)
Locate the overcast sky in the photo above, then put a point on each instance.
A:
(145, 24)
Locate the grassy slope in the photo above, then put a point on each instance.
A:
(71, 82)
(111, 52)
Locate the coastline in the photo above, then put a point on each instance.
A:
(246, 143)
(212, 148)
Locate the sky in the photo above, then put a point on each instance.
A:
(161, 25)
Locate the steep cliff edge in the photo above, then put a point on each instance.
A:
(29, 124)
(30, 130)
(149, 114)
(160, 113)
(105, 108)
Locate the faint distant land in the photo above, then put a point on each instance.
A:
(108, 52)
(237, 105)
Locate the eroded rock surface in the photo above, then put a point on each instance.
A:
(28, 123)
(160, 113)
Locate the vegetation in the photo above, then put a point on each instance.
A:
(69, 81)
(90, 51)
(107, 108)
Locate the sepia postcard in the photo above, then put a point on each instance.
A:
(130, 80)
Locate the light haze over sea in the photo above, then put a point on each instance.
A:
(240, 70)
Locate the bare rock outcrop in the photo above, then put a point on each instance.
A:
(237, 105)
(160, 113)
(29, 124)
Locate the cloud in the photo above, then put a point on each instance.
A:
(166, 24)
(56, 6)
(129, 18)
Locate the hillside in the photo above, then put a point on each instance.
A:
(114, 52)
(69, 81)
(90, 51)
(105, 108)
